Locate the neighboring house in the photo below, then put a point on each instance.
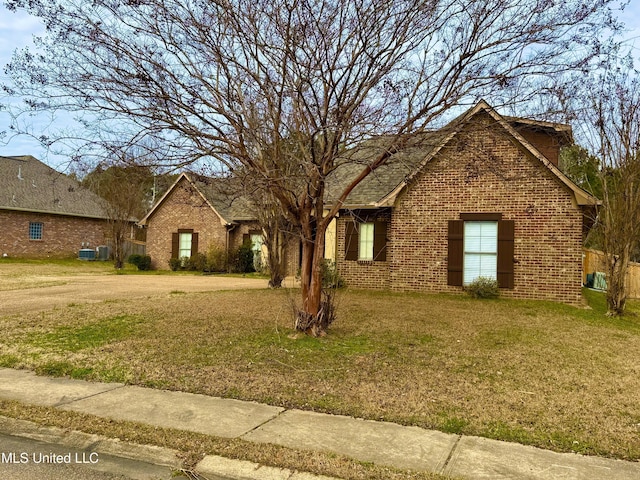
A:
(44, 213)
(481, 197)
(199, 214)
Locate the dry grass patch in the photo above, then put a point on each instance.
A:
(538, 373)
(20, 273)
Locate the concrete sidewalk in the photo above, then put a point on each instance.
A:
(378, 442)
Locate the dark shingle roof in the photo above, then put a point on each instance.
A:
(384, 179)
(225, 196)
(27, 184)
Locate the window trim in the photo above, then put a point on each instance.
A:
(482, 254)
(182, 239)
(366, 238)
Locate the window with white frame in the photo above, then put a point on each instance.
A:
(35, 230)
(184, 250)
(480, 250)
(365, 250)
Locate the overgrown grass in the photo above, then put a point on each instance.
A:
(538, 373)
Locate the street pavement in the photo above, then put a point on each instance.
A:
(27, 459)
(382, 443)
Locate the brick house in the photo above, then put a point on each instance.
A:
(44, 213)
(481, 197)
(196, 215)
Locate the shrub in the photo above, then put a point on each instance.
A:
(241, 260)
(197, 262)
(330, 276)
(175, 264)
(143, 262)
(483, 287)
(216, 259)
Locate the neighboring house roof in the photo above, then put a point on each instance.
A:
(382, 186)
(28, 185)
(219, 194)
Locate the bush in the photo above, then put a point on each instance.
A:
(216, 259)
(241, 260)
(330, 276)
(197, 262)
(175, 264)
(143, 262)
(483, 287)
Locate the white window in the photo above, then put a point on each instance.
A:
(185, 245)
(256, 243)
(480, 250)
(365, 250)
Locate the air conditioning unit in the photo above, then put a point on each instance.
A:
(86, 254)
(103, 253)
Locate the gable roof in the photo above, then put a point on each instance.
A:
(219, 194)
(28, 185)
(381, 187)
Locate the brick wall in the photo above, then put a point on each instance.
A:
(184, 208)
(62, 236)
(361, 274)
(482, 171)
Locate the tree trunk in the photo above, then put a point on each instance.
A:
(118, 235)
(616, 283)
(317, 310)
(275, 250)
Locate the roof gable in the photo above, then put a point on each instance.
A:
(224, 200)
(28, 185)
(454, 128)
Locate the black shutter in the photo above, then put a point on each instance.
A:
(246, 239)
(506, 235)
(194, 243)
(175, 244)
(351, 241)
(455, 252)
(380, 241)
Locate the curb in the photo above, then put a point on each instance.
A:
(210, 465)
(243, 470)
(86, 441)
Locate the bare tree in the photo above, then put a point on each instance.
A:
(232, 82)
(124, 189)
(611, 113)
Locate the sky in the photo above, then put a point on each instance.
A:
(17, 30)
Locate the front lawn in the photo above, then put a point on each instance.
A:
(538, 373)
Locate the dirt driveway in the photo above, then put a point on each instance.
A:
(43, 293)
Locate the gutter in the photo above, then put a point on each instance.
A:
(47, 212)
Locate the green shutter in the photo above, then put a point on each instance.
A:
(380, 241)
(506, 236)
(455, 252)
(351, 241)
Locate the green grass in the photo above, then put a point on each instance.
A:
(73, 339)
(539, 373)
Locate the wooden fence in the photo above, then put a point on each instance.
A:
(593, 261)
